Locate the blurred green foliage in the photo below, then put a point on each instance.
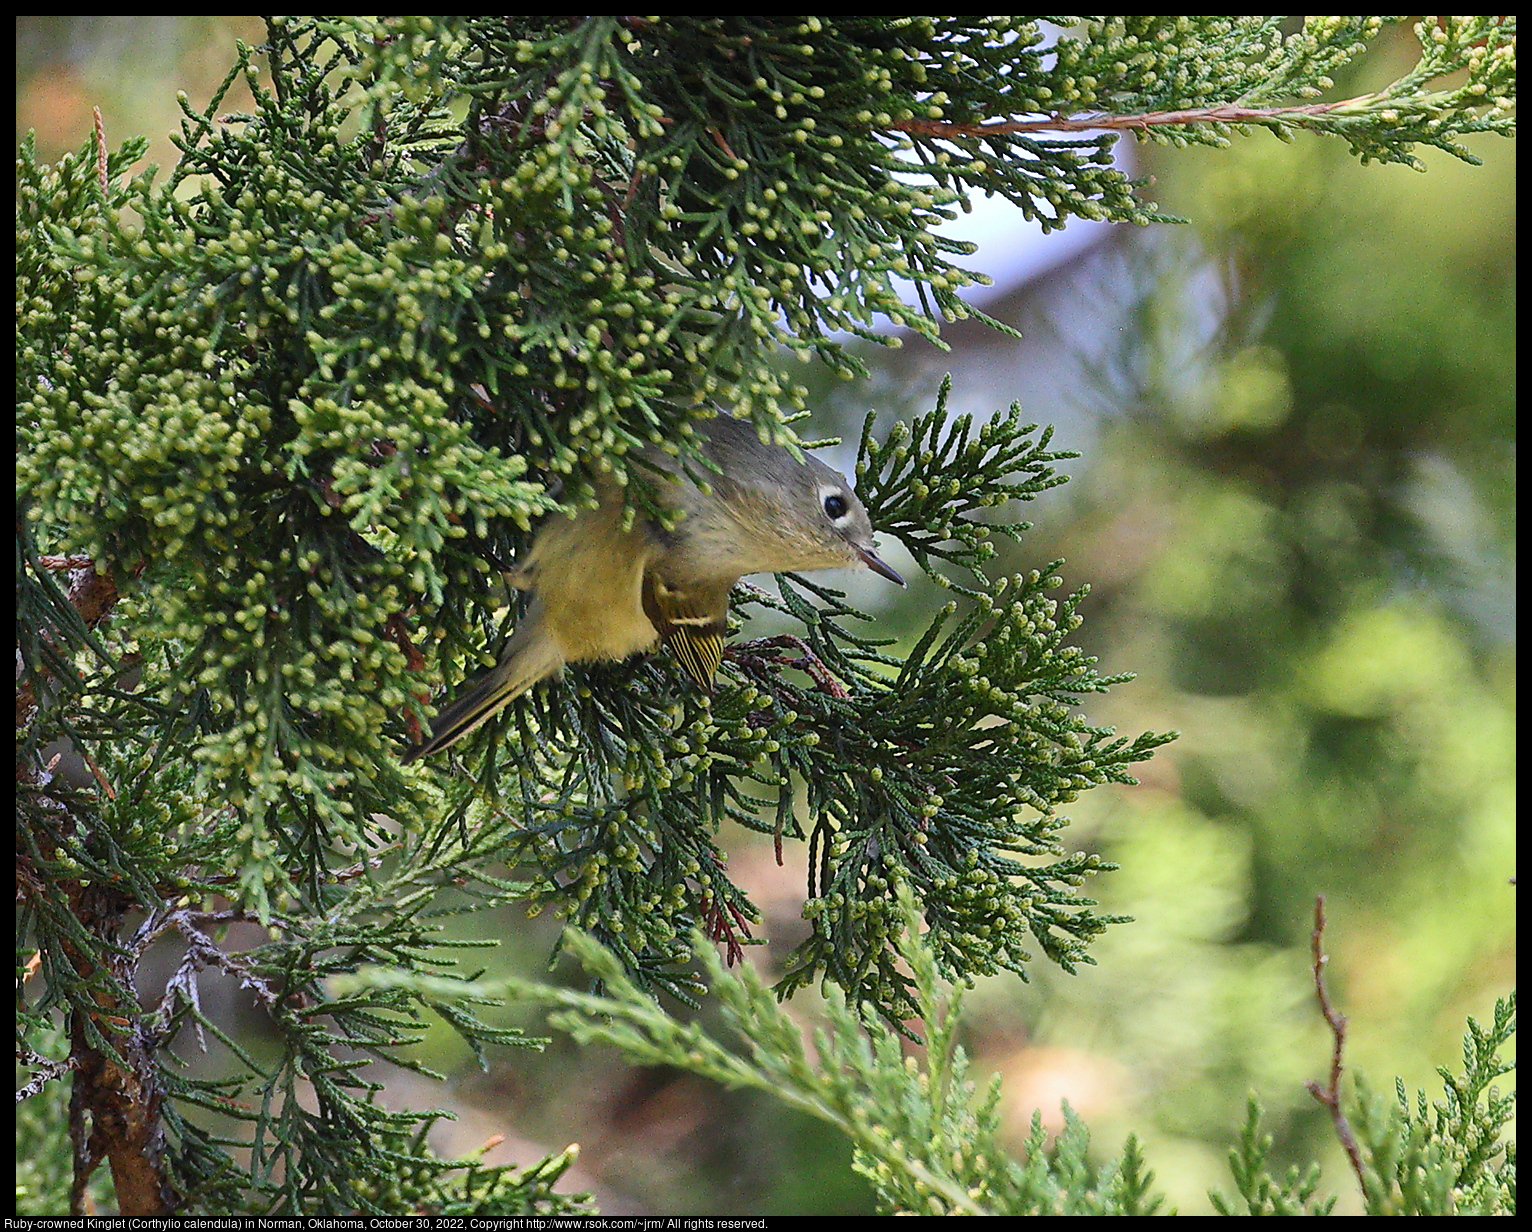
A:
(1310, 509)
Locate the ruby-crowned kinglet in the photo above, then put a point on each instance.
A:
(602, 592)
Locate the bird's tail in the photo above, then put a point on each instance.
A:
(525, 660)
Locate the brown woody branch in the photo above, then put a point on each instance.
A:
(115, 1096)
(114, 1102)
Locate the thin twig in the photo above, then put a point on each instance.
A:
(824, 679)
(47, 1071)
(1225, 114)
(100, 149)
(101, 778)
(1330, 1095)
(722, 144)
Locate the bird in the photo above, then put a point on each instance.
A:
(601, 589)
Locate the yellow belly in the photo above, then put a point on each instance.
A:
(589, 575)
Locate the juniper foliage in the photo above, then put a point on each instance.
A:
(284, 416)
(925, 1135)
(929, 1139)
(1448, 1156)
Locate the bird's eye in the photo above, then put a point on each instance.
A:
(836, 507)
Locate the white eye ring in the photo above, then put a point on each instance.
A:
(833, 501)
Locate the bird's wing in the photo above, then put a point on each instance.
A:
(691, 622)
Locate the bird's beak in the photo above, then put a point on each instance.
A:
(872, 561)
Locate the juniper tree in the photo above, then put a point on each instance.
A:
(287, 416)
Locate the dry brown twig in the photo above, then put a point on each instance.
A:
(1329, 1095)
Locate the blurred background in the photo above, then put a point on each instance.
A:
(1295, 509)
